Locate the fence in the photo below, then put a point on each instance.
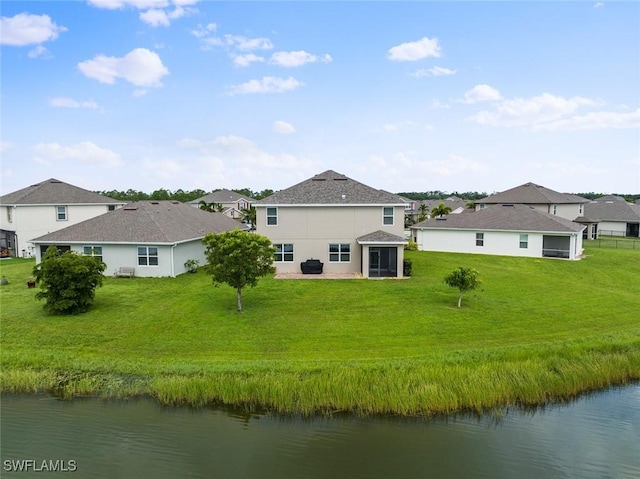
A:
(613, 243)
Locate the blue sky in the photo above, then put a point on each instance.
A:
(403, 96)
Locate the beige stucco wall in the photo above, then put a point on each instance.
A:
(312, 228)
(567, 211)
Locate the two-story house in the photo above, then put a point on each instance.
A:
(350, 227)
(231, 203)
(43, 208)
(543, 199)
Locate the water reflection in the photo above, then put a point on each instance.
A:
(597, 436)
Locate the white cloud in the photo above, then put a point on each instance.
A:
(438, 105)
(85, 152)
(238, 42)
(140, 67)
(531, 112)
(390, 127)
(64, 102)
(433, 72)
(412, 51)
(598, 5)
(39, 52)
(283, 127)
(481, 93)
(266, 85)
(204, 30)
(595, 121)
(246, 60)
(297, 58)
(27, 29)
(139, 4)
(157, 12)
(155, 18)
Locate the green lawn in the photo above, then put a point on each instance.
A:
(535, 330)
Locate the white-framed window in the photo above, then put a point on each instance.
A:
(524, 241)
(481, 206)
(147, 256)
(61, 213)
(339, 253)
(387, 215)
(9, 214)
(95, 251)
(554, 209)
(284, 252)
(581, 208)
(272, 216)
(479, 239)
(111, 207)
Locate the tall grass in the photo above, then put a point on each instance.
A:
(539, 330)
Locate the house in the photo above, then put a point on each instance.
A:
(509, 230)
(43, 208)
(154, 237)
(350, 227)
(231, 203)
(611, 216)
(564, 205)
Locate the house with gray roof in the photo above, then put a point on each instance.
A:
(155, 238)
(43, 208)
(346, 225)
(508, 230)
(230, 202)
(564, 205)
(611, 215)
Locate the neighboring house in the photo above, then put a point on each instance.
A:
(564, 205)
(348, 226)
(508, 230)
(611, 216)
(154, 237)
(232, 203)
(43, 208)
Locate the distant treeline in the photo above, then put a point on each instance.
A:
(593, 196)
(439, 195)
(178, 195)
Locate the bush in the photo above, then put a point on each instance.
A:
(411, 246)
(68, 281)
(407, 267)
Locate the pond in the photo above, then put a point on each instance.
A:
(596, 436)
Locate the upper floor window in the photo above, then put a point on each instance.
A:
(111, 207)
(387, 215)
(95, 251)
(581, 208)
(284, 252)
(554, 209)
(481, 206)
(339, 252)
(147, 256)
(524, 241)
(9, 214)
(479, 239)
(61, 213)
(272, 216)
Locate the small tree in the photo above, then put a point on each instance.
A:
(440, 210)
(424, 212)
(68, 281)
(238, 258)
(465, 279)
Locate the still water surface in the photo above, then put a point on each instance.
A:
(597, 436)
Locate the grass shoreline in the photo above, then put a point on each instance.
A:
(372, 348)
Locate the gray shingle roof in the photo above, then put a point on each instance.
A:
(331, 188)
(380, 237)
(54, 192)
(612, 208)
(222, 196)
(503, 218)
(532, 194)
(146, 222)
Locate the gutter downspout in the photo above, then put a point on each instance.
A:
(173, 271)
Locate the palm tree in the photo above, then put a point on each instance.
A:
(440, 210)
(424, 212)
(203, 205)
(248, 216)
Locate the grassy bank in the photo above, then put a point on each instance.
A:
(536, 330)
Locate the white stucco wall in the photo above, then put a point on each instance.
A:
(117, 255)
(568, 211)
(612, 228)
(30, 222)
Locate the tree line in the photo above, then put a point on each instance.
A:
(181, 195)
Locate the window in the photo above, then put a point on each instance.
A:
(481, 206)
(479, 239)
(147, 256)
(387, 215)
(524, 241)
(61, 213)
(284, 253)
(95, 251)
(111, 207)
(272, 216)
(340, 253)
(554, 209)
(9, 217)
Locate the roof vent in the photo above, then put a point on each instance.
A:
(154, 203)
(344, 197)
(130, 208)
(318, 179)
